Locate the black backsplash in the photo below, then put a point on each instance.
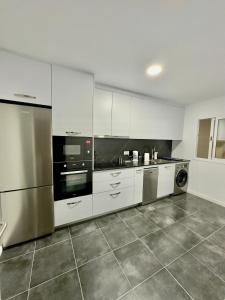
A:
(108, 150)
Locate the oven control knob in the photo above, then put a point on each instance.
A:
(83, 164)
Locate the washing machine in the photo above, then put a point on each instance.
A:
(181, 178)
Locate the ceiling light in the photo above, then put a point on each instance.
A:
(154, 70)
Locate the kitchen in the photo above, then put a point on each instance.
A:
(106, 191)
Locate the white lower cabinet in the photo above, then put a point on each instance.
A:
(138, 184)
(113, 200)
(166, 180)
(116, 189)
(72, 210)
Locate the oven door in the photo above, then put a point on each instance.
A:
(70, 148)
(72, 183)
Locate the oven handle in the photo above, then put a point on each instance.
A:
(74, 172)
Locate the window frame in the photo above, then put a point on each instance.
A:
(215, 140)
(212, 142)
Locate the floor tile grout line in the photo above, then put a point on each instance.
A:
(16, 295)
(117, 261)
(53, 278)
(179, 284)
(33, 249)
(14, 257)
(78, 275)
(31, 271)
(207, 267)
(59, 242)
(140, 283)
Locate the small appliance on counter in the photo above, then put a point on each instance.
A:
(146, 157)
(72, 166)
(134, 155)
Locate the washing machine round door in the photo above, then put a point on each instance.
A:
(181, 178)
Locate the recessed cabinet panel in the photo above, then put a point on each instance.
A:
(102, 112)
(72, 102)
(155, 120)
(24, 80)
(138, 185)
(121, 115)
(166, 180)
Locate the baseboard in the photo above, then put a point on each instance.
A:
(203, 196)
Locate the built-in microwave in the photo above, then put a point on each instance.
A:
(71, 148)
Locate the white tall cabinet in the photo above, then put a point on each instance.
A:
(24, 80)
(72, 102)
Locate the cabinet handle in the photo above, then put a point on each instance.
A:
(114, 185)
(74, 203)
(115, 194)
(139, 171)
(116, 174)
(24, 96)
(73, 132)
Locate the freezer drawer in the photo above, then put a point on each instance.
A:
(28, 214)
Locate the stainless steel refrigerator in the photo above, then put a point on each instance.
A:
(26, 193)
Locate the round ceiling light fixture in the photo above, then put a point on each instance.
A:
(154, 70)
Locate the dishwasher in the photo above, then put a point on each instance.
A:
(150, 185)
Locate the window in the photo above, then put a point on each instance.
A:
(211, 138)
(220, 140)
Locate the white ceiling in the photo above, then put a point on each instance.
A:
(118, 39)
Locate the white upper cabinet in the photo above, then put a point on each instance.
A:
(121, 115)
(102, 112)
(24, 80)
(72, 102)
(111, 113)
(152, 120)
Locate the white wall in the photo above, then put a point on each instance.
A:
(207, 178)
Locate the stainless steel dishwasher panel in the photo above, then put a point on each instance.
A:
(150, 185)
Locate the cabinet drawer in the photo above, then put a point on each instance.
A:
(112, 184)
(73, 209)
(109, 201)
(112, 174)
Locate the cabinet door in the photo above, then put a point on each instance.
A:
(102, 112)
(152, 119)
(166, 180)
(24, 80)
(138, 185)
(121, 115)
(72, 102)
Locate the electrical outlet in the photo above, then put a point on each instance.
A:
(125, 152)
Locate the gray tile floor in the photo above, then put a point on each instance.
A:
(173, 249)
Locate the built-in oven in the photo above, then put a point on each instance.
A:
(72, 179)
(71, 148)
(72, 167)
